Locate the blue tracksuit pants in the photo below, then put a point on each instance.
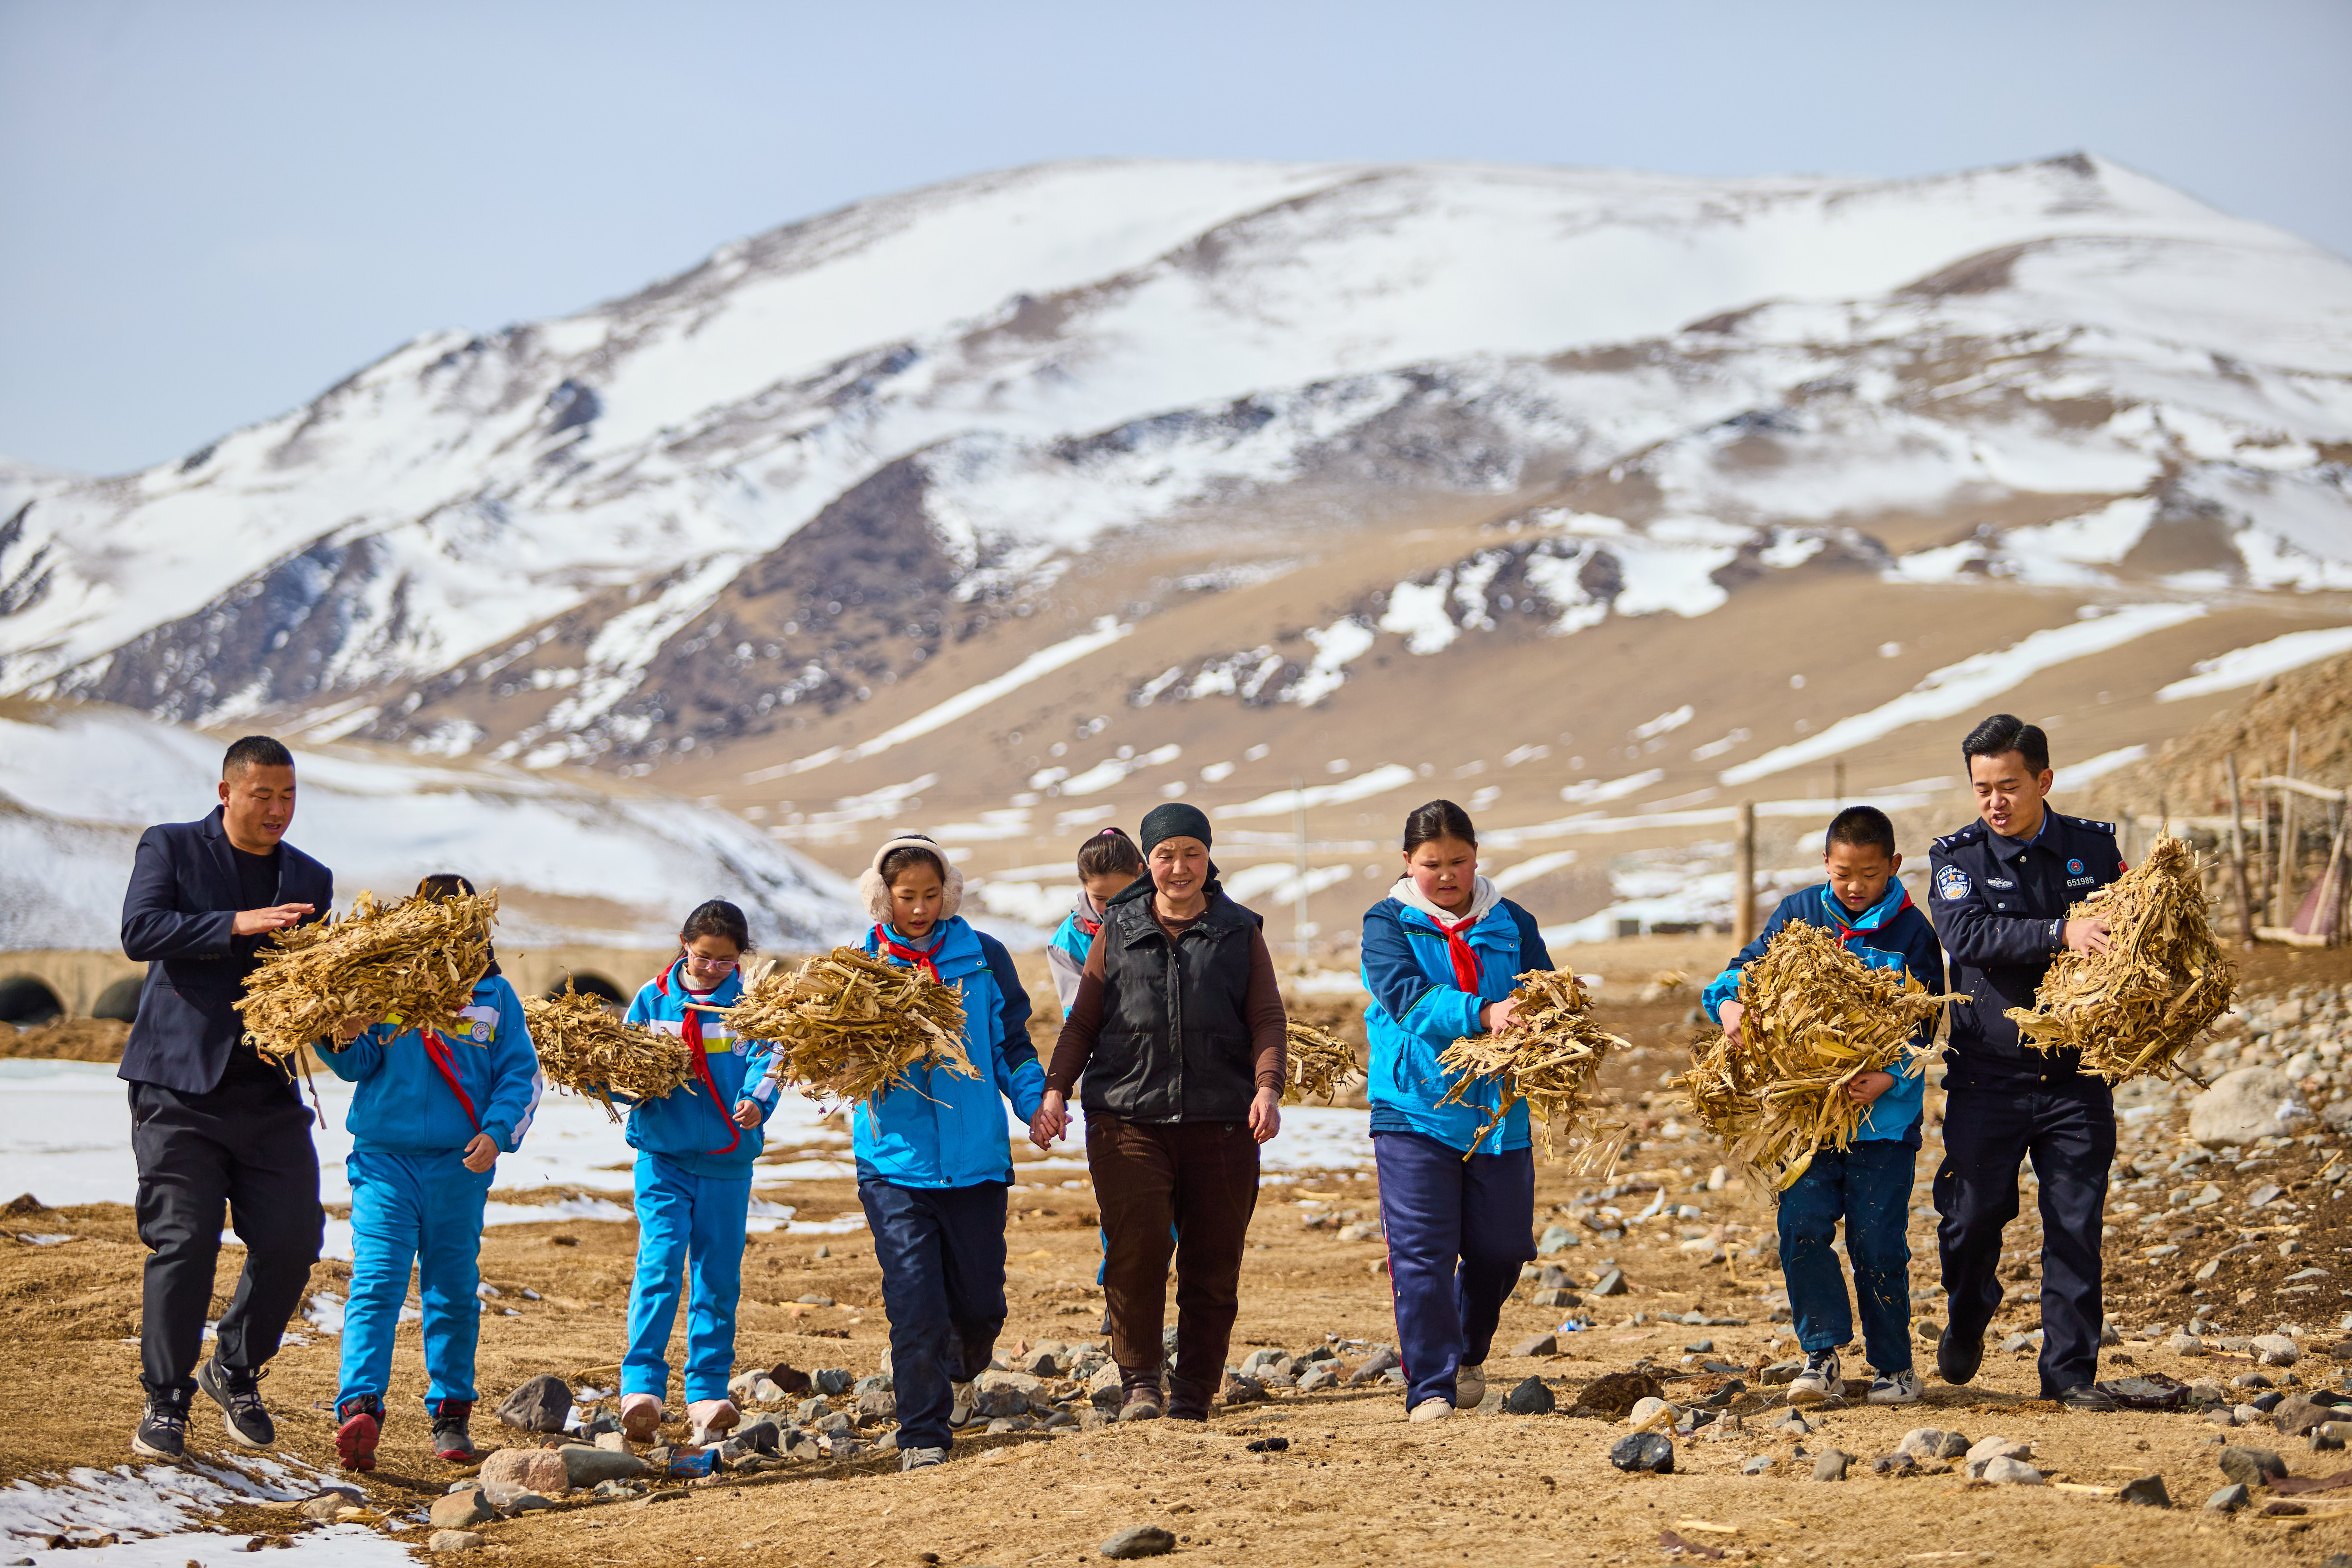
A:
(423, 1211)
(942, 1255)
(1869, 1187)
(1457, 1232)
(689, 1225)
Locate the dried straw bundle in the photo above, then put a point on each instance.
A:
(584, 1048)
(1816, 1017)
(1551, 1058)
(848, 1026)
(2133, 1009)
(1320, 1064)
(414, 962)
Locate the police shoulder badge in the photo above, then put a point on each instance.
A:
(2074, 867)
(1951, 883)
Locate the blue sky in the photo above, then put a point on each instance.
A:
(213, 212)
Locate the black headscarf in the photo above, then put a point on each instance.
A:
(1171, 819)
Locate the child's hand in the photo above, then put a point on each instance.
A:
(350, 1029)
(2088, 936)
(747, 1113)
(1732, 1013)
(1051, 1121)
(1865, 1087)
(1499, 1016)
(481, 1154)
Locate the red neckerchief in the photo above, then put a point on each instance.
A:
(689, 1028)
(914, 955)
(1467, 972)
(437, 1051)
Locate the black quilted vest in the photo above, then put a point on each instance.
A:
(1175, 1042)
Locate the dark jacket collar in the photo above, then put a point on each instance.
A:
(1140, 925)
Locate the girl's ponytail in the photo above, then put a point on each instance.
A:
(1110, 853)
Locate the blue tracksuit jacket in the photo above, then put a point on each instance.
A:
(1065, 954)
(405, 1106)
(689, 1128)
(942, 1130)
(1418, 1009)
(1890, 934)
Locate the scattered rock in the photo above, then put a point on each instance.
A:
(584, 1466)
(790, 1378)
(2230, 1499)
(1557, 1298)
(1139, 1540)
(2250, 1467)
(1645, 1410)
(1530, 1398)
(1383, 1359)
(1640, 1451)
(2296, 1414)
(1556, 1238)
(1541, 1344)
(454, 1540)
(1895, 1464)
(1319, 1376)
(762, 1436)
(1781, 1372)
(1362, 1230)
(2188, 1345)
(510, 1472)
(1924, 1443)
(1793, 1423)
(2147, 1491)
(1832, 1465)
(1755, 1465)
(2277, 1350)
(812, 1300)
(1616, 1393)
(527, 1503)
(1984, 1450)
(458, 1510)
(2002, 1470)
(542, 1405)
(1240, 1390)
(832, 1380)
(1612, 1283)
(878, 1405)
(324, 1507)
(2246, 1104)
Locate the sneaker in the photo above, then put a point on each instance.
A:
(163, 1432)
(1142, 1404)
(1431, 1409)
(358, 1420)
(641, 1416)
(1958, 1358)
(239, 1393)
(1469, 1386)
(1819, 1381)
(712, 1419)
(2090, 1397)
(451, 1439)
(1896, 1388)
(922, 1460)
(960, 1416)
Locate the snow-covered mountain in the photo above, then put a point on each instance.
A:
(575, 860)
(857, 505)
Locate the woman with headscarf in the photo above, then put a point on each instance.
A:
(1178, 1030)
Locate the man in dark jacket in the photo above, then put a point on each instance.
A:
(1999, 889)
(214, 1124)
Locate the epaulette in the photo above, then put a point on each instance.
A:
(1971, 834)
(2087, 825)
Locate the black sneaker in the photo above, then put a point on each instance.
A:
(163, 1431)
(1957, 1360)
(451, 1439)
(239, 1393)
(2088, 1396)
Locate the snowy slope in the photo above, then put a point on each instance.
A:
(1075, 348)
(78, 784)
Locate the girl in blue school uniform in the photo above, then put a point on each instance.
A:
(1442, 954)
(432, 1114)
(1107, 862)
(694, 1179)
(934, 1155)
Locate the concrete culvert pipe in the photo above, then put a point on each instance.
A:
(119, 1001)
(592, 985)
(25, 1001)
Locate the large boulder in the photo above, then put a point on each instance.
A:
(2247, 1104)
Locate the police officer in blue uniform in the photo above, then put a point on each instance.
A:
(1999, 891)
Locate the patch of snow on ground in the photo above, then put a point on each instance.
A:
(1363, 786)
(2246, 666)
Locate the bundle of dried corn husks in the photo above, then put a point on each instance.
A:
(2133, 1009)
(414, 962)
(848, 1026)
(1816, 1017)
(1320, 1064)
(584, 1048)
(1551, 1058)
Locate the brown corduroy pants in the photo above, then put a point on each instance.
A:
(1201, 1178)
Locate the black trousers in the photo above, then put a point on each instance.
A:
(244, 1148)
(942, 1255)
(2068, 1129)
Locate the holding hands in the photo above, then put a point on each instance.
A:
(1051, 1119)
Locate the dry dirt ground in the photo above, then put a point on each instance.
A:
(1356, 1484)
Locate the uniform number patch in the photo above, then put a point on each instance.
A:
(1951, 883)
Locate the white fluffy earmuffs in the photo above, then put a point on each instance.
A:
(877, 892)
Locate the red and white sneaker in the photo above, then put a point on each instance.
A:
(358, 1422)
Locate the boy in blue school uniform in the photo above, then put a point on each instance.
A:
(693, 1179)
(1442, 954)
(1868, 1184)
(934, 1155)
(432, 1114)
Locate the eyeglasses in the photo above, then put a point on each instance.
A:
(699, 961)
